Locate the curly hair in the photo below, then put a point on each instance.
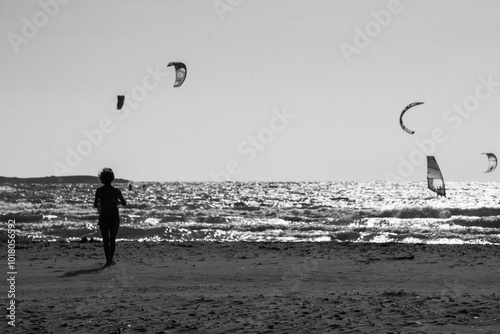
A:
(106, 175)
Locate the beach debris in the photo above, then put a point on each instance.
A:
(180, 72)
(435, 180)
(396, 258)
(403, 112)
(492, 160)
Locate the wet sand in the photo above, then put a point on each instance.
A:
(257, 288)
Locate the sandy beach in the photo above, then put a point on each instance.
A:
(257, 288)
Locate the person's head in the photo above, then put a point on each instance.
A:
(106, 176)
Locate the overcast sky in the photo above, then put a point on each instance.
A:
(295, 90)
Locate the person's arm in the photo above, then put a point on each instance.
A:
(120, 198)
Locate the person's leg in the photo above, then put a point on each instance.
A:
(112, 239)
(105, 232)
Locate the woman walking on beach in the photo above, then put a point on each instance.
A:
(106, 202)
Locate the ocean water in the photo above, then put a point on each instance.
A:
(262, 211)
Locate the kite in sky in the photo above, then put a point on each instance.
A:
(121, 99)
(180, 73)
(492, 159)
(401, 116)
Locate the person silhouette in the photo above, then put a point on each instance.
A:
(106, 202)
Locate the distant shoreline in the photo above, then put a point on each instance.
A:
(57, 179)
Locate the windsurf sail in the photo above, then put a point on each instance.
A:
(119, 103)
(403, 112)
(492, 159)
(180, 73)
(435, 180)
